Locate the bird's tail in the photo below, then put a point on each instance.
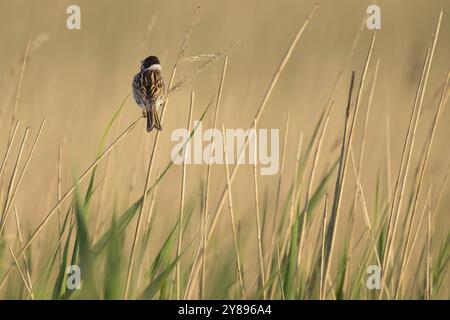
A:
(152, 118)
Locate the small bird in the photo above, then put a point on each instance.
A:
(149, 90)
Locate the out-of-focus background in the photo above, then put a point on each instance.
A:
(76, 79)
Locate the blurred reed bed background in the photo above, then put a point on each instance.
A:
(357, 188)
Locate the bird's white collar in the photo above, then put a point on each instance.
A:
(154, 67)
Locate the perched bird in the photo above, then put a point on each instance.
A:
(149, 90)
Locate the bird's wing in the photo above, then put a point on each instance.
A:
(137, 91)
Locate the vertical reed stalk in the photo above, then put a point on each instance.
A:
(186, 152)
(22, 174)
(12, 180)
(312, 172)
(25, 261)
(257, 213)
(208, 176)
(322, 255)
(233, 223)
(21, 273)
(340, 182)
(262, 107)
(441, 105)
(8, 149)
(390, 244)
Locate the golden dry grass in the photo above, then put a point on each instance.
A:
(381, 169)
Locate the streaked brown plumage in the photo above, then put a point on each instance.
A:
(148, 91)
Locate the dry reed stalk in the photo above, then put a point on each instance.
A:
(20, 80)
(151, 210)
(100, 220)
(22, 174)
(394, 196)
(353, 48)
(361, 158)
(404, 163)
(12, 180)
(208, 174)
(388, 159)
(25, 262)
(189, 286)
(360, 195)
(366, 120)
(362, 27)
(262, 107)
(182, 197)
(355, 246)
(67, 194)
(442, 103)
(147, 33)
(441, 194)
(312, 172)
(295, 190)
(295, 196)
(256, 118)
(141, 210)
(341, 73)
(147, 262)
(324, 230)
(397, 211)
(58, 197)
(8, 149)
(277, 197)
(351, 238)
(280, 175)
(346, 63)
(116, 125)
(233, 223)
(343, 162)
(417, 230)
(137, 171)
(280, 280)
(331, 289)
(258, 219)
(195, 19)
(136, 234)
(52, 256)
(412, 128)
(102, 186)
(21, 64)
(329, 236)
(311, 265)
(428, 286)
(194, 22)
(21, 273)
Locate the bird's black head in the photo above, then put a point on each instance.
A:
(149, 61)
